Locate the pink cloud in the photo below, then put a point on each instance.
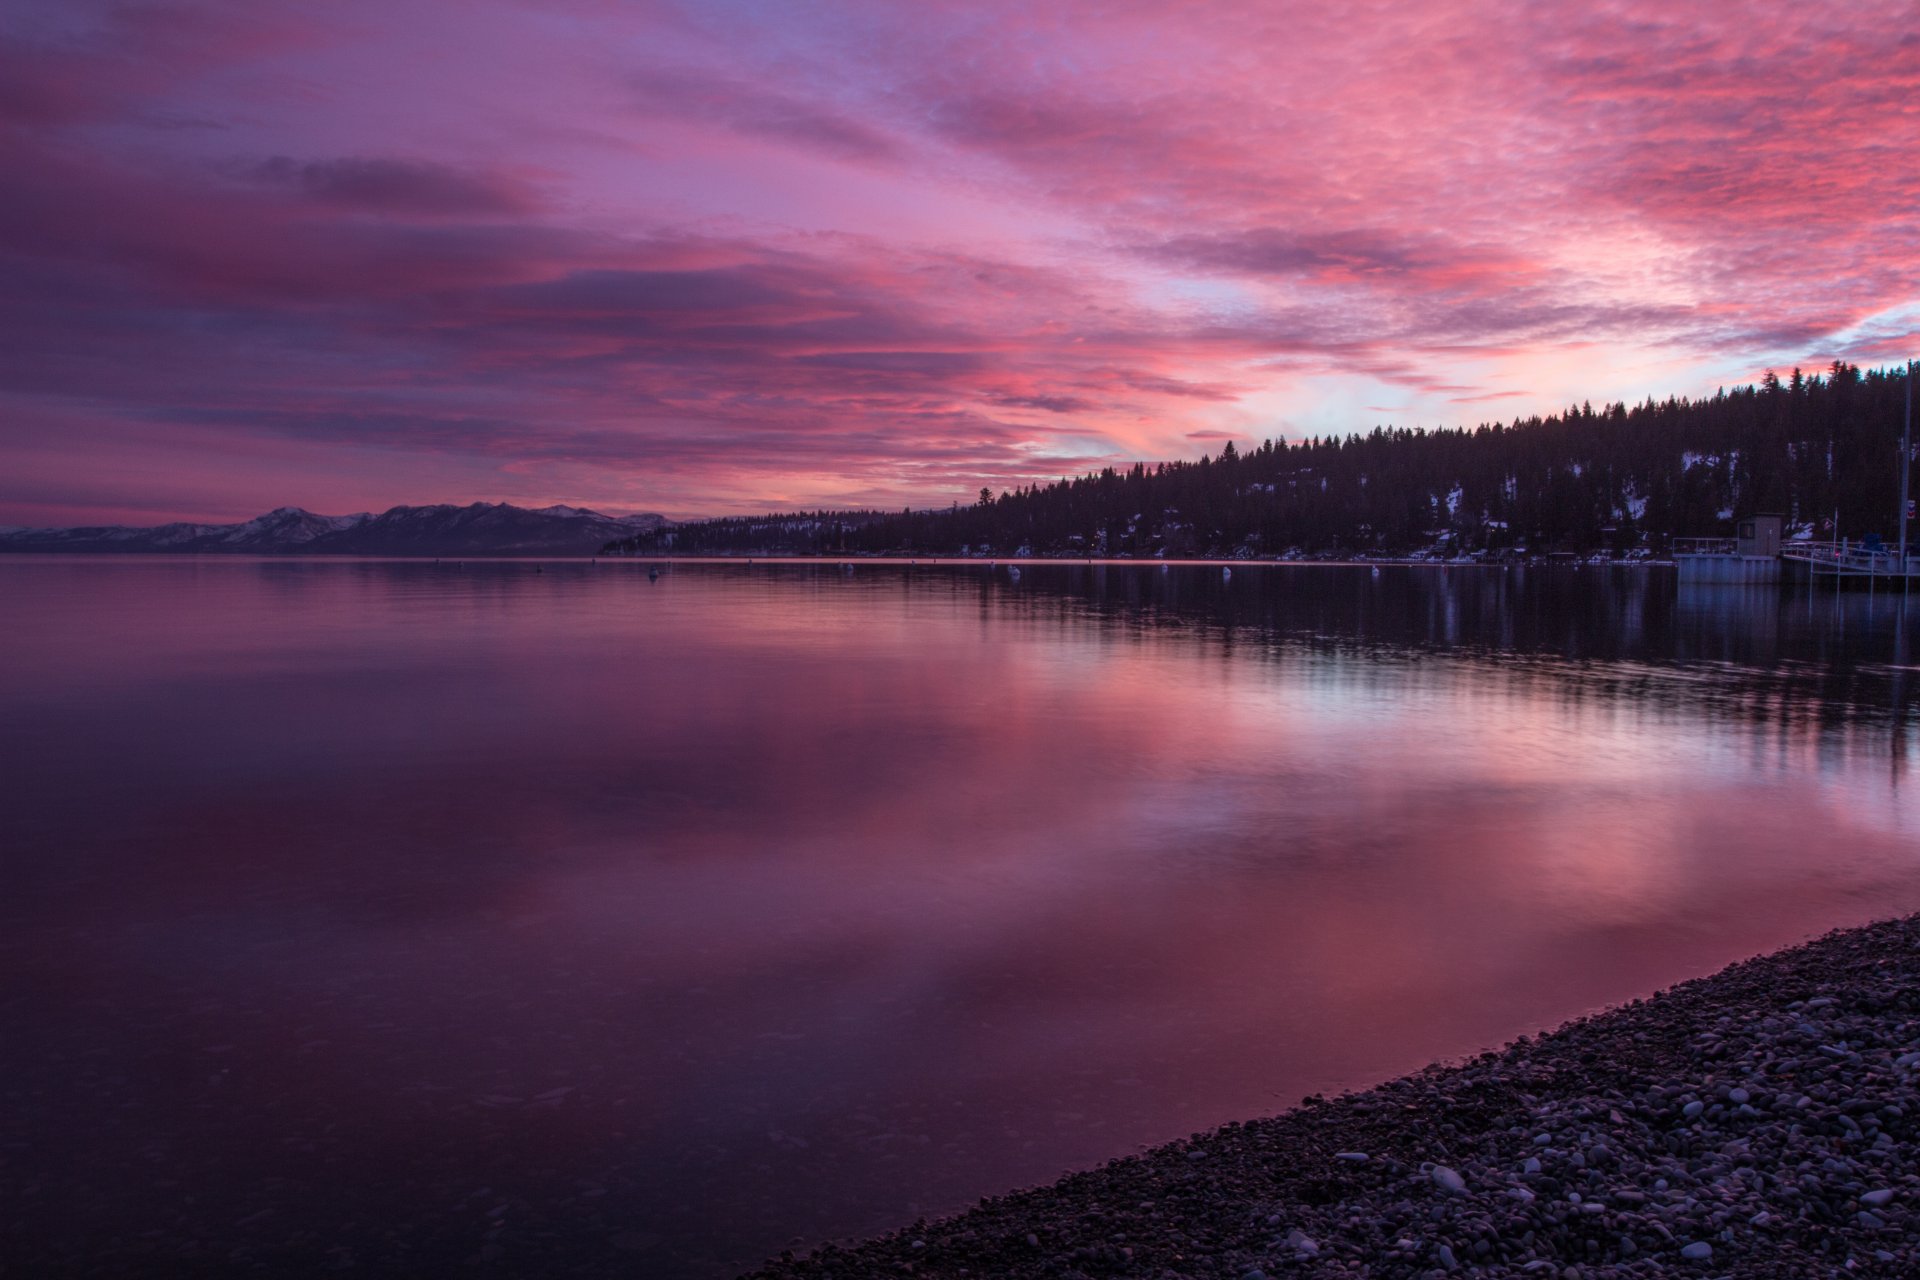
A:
(715, 259)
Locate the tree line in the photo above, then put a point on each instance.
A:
(1821, 450)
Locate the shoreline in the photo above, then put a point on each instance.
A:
(1755, 1123)
(951, 558)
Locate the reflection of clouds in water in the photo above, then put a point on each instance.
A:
(748, 851)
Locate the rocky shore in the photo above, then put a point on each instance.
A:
(1757, 1123)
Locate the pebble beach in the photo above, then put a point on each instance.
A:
(1756, 1123)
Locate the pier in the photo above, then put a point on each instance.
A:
(1841, 562)
(1758, 554)
(1836, 564)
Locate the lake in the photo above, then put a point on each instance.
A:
(390, 917)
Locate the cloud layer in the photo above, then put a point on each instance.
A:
(735, 256)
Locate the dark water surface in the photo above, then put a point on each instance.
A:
(396, 916)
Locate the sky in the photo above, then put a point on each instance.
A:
(734, 256)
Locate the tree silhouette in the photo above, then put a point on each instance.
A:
(1616, 477)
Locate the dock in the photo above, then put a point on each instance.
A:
(1840, 563)
(1758, 554)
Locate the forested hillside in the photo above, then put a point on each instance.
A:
(1616, 478)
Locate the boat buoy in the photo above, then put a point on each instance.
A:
(1226, 575)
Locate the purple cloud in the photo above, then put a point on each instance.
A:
(396, 187)
(894, 254)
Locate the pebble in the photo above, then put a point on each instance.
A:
(1731, 1127)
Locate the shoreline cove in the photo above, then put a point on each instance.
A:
(1758, 1122)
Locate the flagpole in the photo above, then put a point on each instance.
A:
(1906, 470)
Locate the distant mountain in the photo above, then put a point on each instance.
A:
(479, 529)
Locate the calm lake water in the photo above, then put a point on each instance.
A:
(400, 915)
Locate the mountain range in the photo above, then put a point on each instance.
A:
(478, 529)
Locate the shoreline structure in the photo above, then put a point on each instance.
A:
(1760, 1122)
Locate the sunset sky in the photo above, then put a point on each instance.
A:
(727, 256)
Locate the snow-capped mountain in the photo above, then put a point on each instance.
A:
(285, 528)
(478, 529)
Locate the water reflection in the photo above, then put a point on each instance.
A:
(579, 922)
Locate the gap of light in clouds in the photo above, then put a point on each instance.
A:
(730, 257)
